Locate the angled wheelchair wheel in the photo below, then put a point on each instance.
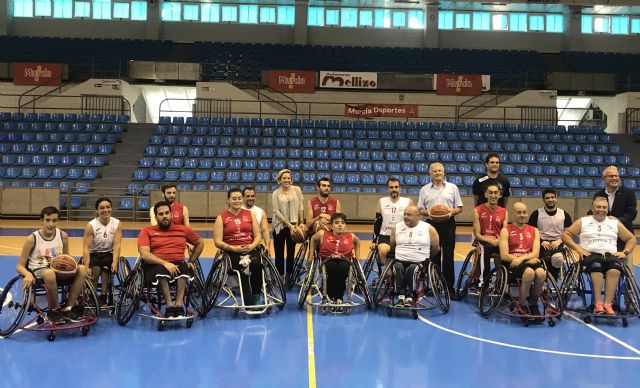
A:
(299, 264)
(493, 290)
(215, 281)
(308, 282)
(439, 288)
(275, 288)
(465, 277)
(569, 283)
(384, 288)
(371, 261)
(198, 273)
(123, 269)
(88, 302)
(632, 291)
(197, 298)
(361, 282)
(552, 296)
(129, 298)
(14, 302)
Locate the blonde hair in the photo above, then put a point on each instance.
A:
(282, 172)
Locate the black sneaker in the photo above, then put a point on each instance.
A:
(55, 317)
(72, 315)
(535, 311)
(168, 312)
(103, 300)
(178, 312)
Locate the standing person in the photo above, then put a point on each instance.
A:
(35, 259)
(389, 211)
(622, 204)
(439, 192)
(179, 212)
(551, 222)
(288, 211)
(249, 199)
(101, 246)
(321, 207)
(493, 176)
(237, 232)
(488, 221)
(161, 248)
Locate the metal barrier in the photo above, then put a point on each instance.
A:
(83, 104)
(633, 119)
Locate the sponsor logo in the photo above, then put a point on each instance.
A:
(343, 80)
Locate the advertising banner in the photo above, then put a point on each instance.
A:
(292, 81)
(348, 80)
(381, 110)
(37, 74)
(459, 84)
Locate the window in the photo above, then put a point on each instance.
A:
(587, 24)
(23, 8)
(620, 25)
(286, 15)
(463, 21)
(190, 12)
(43, 8)
(554, 23)
(315, 16)
(82, 9)
(138, 10)
(332, 17)
(102, 9)
(445, 20)
(518, 22)
(121, 10)
(63, 9)
(399, 19)
(536, 23)
(268, 15)
(481, 21)
(382, 18)
(499, 22)
(249, 14)
(229, 13)
(635, 26)
(416, 19)
(171, 12)
(349, 17)
(366, 18)
(601, 24)
(210, 13)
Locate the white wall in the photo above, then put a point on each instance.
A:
(615, 109)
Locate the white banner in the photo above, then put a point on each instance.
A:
(348, 80)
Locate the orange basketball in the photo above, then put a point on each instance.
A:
(64, 265)
(320, 225)
(439, 213)
(299, 233)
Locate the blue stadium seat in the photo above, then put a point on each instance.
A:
(155, 175)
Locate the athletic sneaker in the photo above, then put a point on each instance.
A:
(103, 300)
(598, 308)
(55, 317)
(408, 301)
(339, 309)
(535, 311)
(178, 311)
(400, 302)
(608, 309)
(72, 315)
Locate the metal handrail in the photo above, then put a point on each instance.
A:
(64, 105)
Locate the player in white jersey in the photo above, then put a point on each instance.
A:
(414, 241)
(37, 251)
(389, 211)
(598, 235)
(101, 246)
(249, 198)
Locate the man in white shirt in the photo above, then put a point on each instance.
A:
(249, 198)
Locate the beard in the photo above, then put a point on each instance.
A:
(164, 224)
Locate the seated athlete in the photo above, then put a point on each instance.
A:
(388, 213)
(520, 252)
(237, 232)
(598, 235)
(488, 220)
(414, 241)
(161, 249)
(336, 250)
(37, 251)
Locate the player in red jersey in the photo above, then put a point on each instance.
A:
(320, 208)
(488, 220)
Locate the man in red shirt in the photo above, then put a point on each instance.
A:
(488, 220)
(321, 207)
(520, 252)
(179, 211)
(161, 249)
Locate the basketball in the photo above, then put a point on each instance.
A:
(64, 266)
(299, 233)
(320, 225)
(439, 213)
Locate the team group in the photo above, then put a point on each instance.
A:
(530, 245)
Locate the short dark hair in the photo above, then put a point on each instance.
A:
(336, 216)
(491, 184)
(102, 199)
(159, 204)
(166, 187)
(323, 179)
(491, 155)
(233, 190)
(392, 180)
(247, 189)
(548, 191)
(49, 210)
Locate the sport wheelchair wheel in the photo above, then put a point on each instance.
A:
(372, 259)
(198, 273)
(552, 298)
(273, 282)
(123, 269)
(129, 298)
(632, 292)
(439, 288)
(569, 282)
(465, 277)
(299, 264)
(308, 282)
(493, 290)
(14, 302)
(361, 282)
(384, 289)
(215, 281)
(197, 298)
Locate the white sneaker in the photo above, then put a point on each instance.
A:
(408, 301)
(401, 301)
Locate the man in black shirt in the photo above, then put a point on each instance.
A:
(492, 177)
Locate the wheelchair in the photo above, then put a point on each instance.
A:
(114, 288)
(314, 286)
(431, 290)
(496, 294)
(372, 263)
(577, 295)
(18, 304)
(300, 267)
(469, 280)
(224, 287)
(136, 288)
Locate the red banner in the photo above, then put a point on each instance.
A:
(381, 110)
(37, 74)
(459, 84)
(292, 81)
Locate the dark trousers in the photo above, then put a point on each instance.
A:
(447, 233)
(279, 240)
(251, 285)
(403, 271)
(337, 271)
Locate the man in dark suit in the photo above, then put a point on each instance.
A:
(622, 204)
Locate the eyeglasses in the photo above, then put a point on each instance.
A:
(612, 176)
